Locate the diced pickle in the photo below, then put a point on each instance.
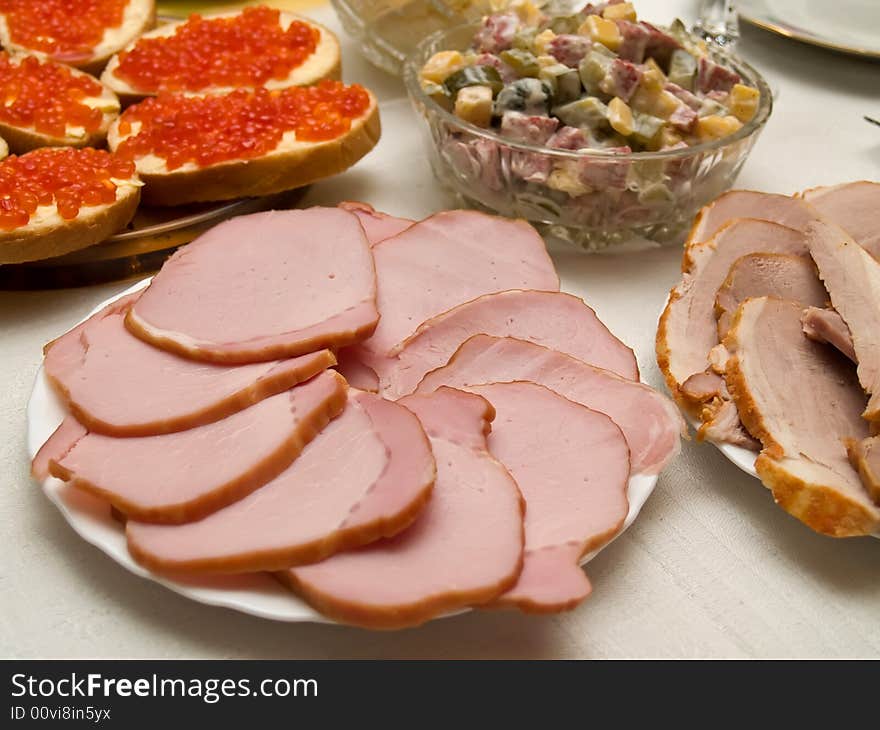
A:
(524, 39)
(646, 128)
(474, 76)
(524, 63)
(565, 23)
(593, 70)
(710, 108)
(564, 83)
(439, 94)
(682, 69)
(587, 112)
(529, 96)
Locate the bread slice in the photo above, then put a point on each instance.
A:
(324, 63)
(24, 139)
(139, 16)
(47, 234)
(291, 164)
(4, 149)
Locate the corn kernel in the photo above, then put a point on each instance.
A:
(542, 42)
(620, 116)
(474, 105)
(528, 12)
(620, 11)
(656, 103)
(655, 67)
(441, 65)
(546, 61)
(715, 127)
(601, 31)
(652, 80)
(744, 102)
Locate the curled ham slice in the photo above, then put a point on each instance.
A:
(115, 384)
(855, 207)
(688, 329)
(782, 384)
(464, 549)
(734, 204)
(852, 277)
(365, 476)
(377, 226)
(768, 274)
(262, 287)
(183, 476)
(572, 467)
(650, 422)
(559, 321)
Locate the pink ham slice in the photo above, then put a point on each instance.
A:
(781, 209)
(464, 549)
(378, 226)
(572, 466)
(650, 422)
(365, 476)
(115, 384)
(855, 207)
(558, 321)
(448, 259)
(183, 476)
(263, 287)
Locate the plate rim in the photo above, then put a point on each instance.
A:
(780, 28)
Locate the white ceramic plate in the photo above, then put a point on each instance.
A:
(850, 26)
(256, 594)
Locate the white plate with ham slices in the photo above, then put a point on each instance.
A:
(256, 594)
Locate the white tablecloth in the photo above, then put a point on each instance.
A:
(711, 568)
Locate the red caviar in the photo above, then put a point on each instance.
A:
(67, 177)
(46, 96)
(239, 125)
(248, 49)
(65, 30)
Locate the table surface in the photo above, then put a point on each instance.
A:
(710, 569)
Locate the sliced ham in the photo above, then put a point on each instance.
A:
(559, 321)
(116, 384)
(852, 278)
(826, 325)
(572, 466)
(688, 329)
(378, 226)
(783, 384)
(855, 207)
(464, 549)
(865, 458)
(448, 259)
(183, 476)
(650, 423)
(782, 209)
(262, 287)
(765, 274)
(365, 476)
(358, 374)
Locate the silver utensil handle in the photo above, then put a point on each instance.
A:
(718, 23)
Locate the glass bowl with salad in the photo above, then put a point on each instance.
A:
(599, 128)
